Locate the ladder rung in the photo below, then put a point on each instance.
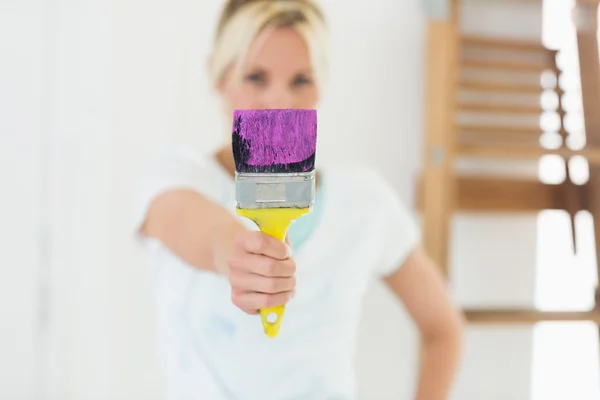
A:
(515, 152)
(501, 108)
(524, 316)
(589, 2)
(501, 130)
(500, 87)
(500, 195)
(504, 43)
(506, 65)
(491, 141)
(496, 194)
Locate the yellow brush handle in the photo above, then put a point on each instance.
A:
(274, 222)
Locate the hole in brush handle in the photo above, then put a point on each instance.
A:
(268, 315)
(272, 318)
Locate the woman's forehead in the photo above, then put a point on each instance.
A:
(279, 48)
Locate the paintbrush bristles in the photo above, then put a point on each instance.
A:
(274, 141)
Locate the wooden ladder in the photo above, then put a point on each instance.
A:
(469, 77)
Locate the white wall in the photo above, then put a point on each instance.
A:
(126, 78)
(21, 202)
(79, 356)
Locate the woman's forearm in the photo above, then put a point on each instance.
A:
(198, 231)
(422, 288)
(440, 357)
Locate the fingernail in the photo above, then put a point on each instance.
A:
(289, 251)
(293, 293)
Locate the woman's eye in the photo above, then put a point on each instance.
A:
(302, 80)
(256, 78)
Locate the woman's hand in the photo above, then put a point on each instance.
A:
(261, 272)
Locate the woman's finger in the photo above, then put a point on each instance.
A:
(262, 265)
(257, 283)
(251, 302)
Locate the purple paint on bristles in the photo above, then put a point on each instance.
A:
(275, 140)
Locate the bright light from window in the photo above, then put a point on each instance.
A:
(565, 355)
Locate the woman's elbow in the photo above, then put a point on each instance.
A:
(450, 329)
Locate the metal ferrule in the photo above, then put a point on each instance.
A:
(293, 190)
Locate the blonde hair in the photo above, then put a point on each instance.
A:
(243, 20)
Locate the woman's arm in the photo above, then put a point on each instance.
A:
(422, 289)
(207, 236)
(197, 230)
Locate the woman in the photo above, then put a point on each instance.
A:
(215, 271)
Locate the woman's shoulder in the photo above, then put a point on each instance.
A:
(180, 166)
(363, 187)
(375, 205)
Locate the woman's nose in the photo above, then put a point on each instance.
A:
(278, 98)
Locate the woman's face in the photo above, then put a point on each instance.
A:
(277, 73)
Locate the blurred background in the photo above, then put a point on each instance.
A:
(91, 90)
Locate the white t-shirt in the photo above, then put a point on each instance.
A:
(212, 350)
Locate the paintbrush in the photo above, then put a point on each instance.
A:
(274, 154)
